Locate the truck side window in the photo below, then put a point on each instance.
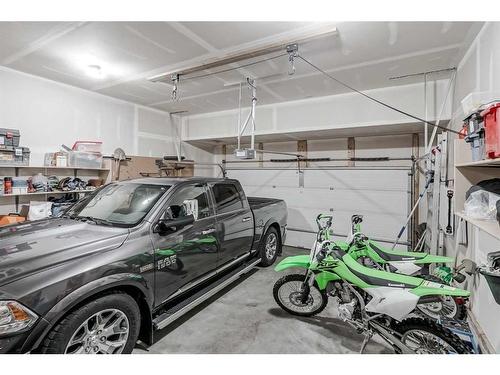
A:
(227, 198)
(189, 200)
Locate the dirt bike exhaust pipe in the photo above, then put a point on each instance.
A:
(390, 338)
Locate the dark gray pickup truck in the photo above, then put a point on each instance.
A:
(128, 259)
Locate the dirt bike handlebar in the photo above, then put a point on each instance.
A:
(322, 217)
(358, 237)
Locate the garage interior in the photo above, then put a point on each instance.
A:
(334, 118)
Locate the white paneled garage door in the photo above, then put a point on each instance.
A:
(380, 195)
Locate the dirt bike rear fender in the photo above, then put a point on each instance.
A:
(434, 259)
(429, 288)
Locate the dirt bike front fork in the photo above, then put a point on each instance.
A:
(306, 287)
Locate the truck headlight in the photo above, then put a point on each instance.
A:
(14, 317)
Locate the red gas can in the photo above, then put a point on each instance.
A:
(492, 130)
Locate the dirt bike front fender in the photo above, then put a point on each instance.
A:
(298, 261)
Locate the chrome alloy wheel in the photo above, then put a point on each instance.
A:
(271, 245)
(105, 332)
(423, 342)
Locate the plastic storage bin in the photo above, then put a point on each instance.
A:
(14, 156)
(88, 146)
(474, 127)
(491, 126)
(9, 137)
(79, 159)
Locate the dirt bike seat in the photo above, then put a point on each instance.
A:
(395, 256)
(380, 278)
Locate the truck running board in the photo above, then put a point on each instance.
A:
(190, 303)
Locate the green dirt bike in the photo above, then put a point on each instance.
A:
(405, 262)
(371, 254)
(372, 301)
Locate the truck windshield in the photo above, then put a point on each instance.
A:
(118, 204)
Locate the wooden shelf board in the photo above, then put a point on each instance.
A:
(46, 193)
(489, 226)
(47, 167)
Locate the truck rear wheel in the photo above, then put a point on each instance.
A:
(270, 247)
(108, 325)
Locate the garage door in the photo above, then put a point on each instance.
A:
(381, 196)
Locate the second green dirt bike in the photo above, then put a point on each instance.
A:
(370, 300)
(371, 254)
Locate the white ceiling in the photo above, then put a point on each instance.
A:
(362, 54)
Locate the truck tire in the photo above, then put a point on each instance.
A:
(107, 325)
(270, 247)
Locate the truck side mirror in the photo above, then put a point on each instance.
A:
(166, 226)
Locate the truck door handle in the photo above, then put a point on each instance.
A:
(245, 219)
(208, 231)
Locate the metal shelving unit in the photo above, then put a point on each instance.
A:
(47, 193)
(19, 169)
(468, 173)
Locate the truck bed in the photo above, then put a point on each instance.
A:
(265, 211)
(258, 202)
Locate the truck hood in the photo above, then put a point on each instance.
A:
(29, 248)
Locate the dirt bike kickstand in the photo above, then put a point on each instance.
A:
(368, 335)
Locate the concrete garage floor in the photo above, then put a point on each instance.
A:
(244, 318)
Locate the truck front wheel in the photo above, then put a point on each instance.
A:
(107, 325)
(270, 247)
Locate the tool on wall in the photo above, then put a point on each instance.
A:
(430, 180)
(118, 157)
(449, 228)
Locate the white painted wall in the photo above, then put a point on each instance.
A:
(49, 114)
(345, 111)
(479, 71)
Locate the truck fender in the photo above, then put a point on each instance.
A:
(266, 227)
(68, 302)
